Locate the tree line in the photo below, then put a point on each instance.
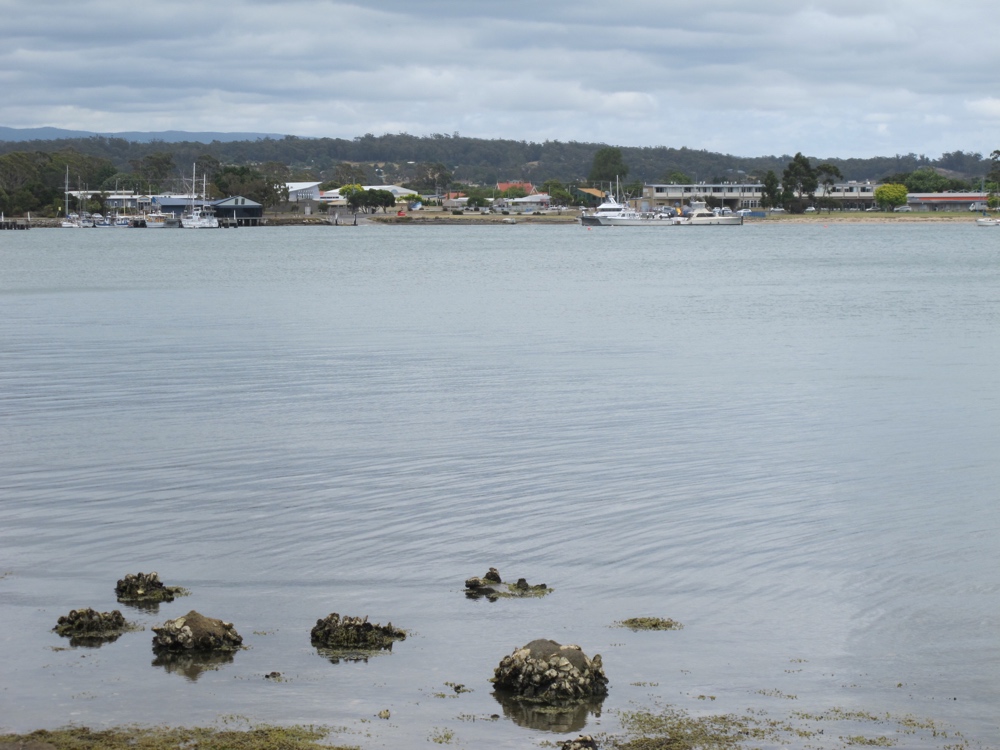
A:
(32, 173)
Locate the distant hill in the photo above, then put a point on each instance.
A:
(397, 158)
(166, 136)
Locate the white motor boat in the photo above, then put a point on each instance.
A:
(611, 213)
(200, 218)
(701, 216)
(987, 221)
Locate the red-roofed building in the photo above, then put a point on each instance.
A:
(527, 187)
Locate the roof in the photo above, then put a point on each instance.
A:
(592, 191)
(947, 197)
(526, 186)
(396, 190)
(536, 198)
(294, 187)
(235, 200)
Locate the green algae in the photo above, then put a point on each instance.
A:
(668, 727)
(262, 737)
(649, 623)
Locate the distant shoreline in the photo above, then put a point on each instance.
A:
(442, 218)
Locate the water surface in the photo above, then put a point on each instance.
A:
(784, 437)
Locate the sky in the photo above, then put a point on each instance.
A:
(839, 78)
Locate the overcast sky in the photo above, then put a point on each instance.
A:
(838, 78)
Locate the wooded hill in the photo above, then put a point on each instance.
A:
(395, 158)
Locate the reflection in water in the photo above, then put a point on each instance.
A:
(148, 607)
(192, 663)
(93, 641)
(571, 717)
(337, 655)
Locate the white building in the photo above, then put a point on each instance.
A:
(302, 191)
(736, 195)
(533, 202)
(334, 198)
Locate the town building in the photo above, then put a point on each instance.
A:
(951, 201)
(302, 191)
(737, 195)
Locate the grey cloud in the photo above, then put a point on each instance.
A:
(783, 77)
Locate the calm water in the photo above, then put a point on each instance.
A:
(785, 437)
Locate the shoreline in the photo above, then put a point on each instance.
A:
(445, 218)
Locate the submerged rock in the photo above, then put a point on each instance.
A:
(492, 587)
(195, 632)
(545, 671)
(354, 634)
(145, 587)
(88, 627)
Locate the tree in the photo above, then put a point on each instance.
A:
(828, 174)
(376, 199)
(891, 195)
(771, 190)
(476, 201)
(346, 173)
(354, 195)
(207, 165)
(515, 191)
(676, 177)
(608, 166)
(799, 180)
(431, 176)
(558, 192)
(251, 184)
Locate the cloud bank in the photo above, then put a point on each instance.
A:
(828, 79)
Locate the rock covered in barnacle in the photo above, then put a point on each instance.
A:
(492, 587)
(90, 622)
(195, 632)
(547, 672)
(355, 633)
(145, 587)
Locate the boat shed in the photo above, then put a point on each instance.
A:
(239, 210)
(175, 204)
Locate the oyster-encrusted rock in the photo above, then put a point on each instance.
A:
(545, 671)
(492, 587)
(145, 587)
(88, 627)
(354, 633)
(195, 632)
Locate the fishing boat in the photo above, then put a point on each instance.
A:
(159, 220)
(199, 217)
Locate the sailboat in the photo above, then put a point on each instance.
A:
(202, 217)
(70, 221)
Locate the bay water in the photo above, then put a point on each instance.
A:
(785, 437)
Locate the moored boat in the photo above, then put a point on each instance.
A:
(700, 216)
